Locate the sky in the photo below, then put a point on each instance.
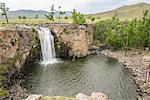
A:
(84, 6)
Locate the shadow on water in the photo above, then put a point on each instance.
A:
(86, 75)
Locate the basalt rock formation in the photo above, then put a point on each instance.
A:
(72, 41)
(16, 44)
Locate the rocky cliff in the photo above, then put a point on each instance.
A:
(16, 44)
(72, 41)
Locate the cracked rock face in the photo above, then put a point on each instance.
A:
(8, 43)
(15, 44)
(73, 41)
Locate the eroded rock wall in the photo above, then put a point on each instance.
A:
(72, 41)
(16, 44)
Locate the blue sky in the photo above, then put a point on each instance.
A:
(84, 6)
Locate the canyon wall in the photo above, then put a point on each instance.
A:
(72, 41)
(16, 45)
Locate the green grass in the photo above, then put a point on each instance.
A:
(57, 98)
(3, 92)
(3, 68)
(39, 21)
(125, 12)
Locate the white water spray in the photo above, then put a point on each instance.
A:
(47, 46)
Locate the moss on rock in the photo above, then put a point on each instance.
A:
(57, 98)
(3, 92)
(3, 68)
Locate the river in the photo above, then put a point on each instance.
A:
(94, 73)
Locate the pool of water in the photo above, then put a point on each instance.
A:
(95, 73)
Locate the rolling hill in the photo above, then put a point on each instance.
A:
(31, 14)
(126, 12)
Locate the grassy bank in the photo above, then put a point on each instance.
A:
(40, 21)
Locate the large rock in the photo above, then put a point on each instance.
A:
(16, 44)
(81, 96)
(146, 58)
(34, 97)
(99, 96)
(8, 43)
(72, 40)
(94, 96)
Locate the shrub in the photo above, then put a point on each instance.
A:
(127, 34)
(101, 29)
(3, 68)
(66, 17)
(78, 18)
(3, 92)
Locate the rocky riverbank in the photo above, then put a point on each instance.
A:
(79, 96)
(139, 65)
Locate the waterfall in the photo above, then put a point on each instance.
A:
(47, 46)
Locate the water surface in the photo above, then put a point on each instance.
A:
(95, 73)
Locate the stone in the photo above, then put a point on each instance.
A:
(146, 58)
(34, 97)
(99, 96)
(81, 96)
(94, 96)
(74, 40)
(17, 92)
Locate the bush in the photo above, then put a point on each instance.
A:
(3, 68)
(101, 30)
(127, 34)
(66, 17)
(78, 18)
(3, 92)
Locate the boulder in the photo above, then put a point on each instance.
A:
(34, 97)
(72, 41)
(94, 96)
(99, 96)
(81, 96)
(146, 58)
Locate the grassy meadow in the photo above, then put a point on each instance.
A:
(41, 21)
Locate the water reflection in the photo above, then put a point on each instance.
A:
(91, 74)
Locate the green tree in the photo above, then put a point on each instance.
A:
(4, 10)
(50, 15)
(93, 19)
(62, 12)
(59, 7)
(145, 29)
(78, 18)
(19, 17)
(36, 16)
(114, 34)
(124, 34)
(24, 17)
(101, 29)
(66, 17)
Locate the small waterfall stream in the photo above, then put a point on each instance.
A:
(47, 46)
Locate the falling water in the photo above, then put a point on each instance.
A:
(47, 46)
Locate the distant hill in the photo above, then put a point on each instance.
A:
(31, 14)
(126, 12)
